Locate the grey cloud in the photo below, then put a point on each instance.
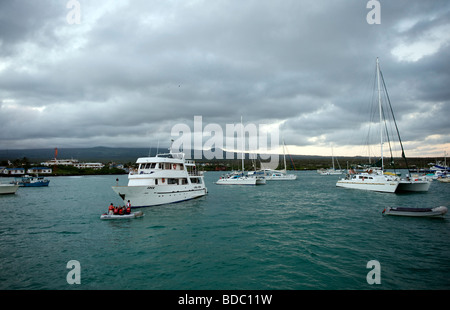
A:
(137, 68)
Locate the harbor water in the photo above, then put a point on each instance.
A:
(286, 235)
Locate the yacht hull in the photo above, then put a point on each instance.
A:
(6, 189)
(416, 212)
(286, 177)
(237, 181)
(147, 196)
(386, 187)
(413, 186)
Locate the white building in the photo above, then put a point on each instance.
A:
(60, 162)
(13, 171)
(72, 162)
(89, 165)
(40, 170)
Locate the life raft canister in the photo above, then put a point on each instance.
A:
(163, 180)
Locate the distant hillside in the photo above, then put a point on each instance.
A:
(102, 154)
(129, 155)
(95, 154)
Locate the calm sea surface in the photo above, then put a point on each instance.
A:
(292, 235)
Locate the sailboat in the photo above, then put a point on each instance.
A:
(375, 179)
(330, 171)
(414, 184)
(411, 183)
(278, 175)
(239, 178)
(388, 181)
(440, 167)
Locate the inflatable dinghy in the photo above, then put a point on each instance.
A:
(418, 212)
(120, 217)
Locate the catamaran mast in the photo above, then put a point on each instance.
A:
(243, 145)
(332, 158)
(381, 117)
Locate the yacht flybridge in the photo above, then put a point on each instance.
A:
(165, 178)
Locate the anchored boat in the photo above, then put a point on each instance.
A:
(8, 188)
(374, 181)
(278, 175)
(239, 178)
(120, 217)
(444, 180)
(165, 178)
(30, 181)
(381, 181)
(416, 212)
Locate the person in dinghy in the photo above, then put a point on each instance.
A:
(120, 212)
(112, 210)
(128, 209)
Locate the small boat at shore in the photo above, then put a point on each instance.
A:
(30, 181)
(416, 212)
(132, 215)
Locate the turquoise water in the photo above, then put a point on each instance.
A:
(293, 235)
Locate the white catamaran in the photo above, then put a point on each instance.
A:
(331, 171)
(373, 180)
(163, 179)
(239, 177)
(380, 180)
(276, 175)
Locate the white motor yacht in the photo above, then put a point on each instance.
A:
(165, 178)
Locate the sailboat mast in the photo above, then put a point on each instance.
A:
(243, 145)
(381, 116)
(332, 158)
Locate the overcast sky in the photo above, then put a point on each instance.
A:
(131, 70)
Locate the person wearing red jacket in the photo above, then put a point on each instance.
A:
(111, 209)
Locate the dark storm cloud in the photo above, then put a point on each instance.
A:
(131, 70)
(22, 21)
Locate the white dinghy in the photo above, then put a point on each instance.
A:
(417, 212)
(121, 217)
